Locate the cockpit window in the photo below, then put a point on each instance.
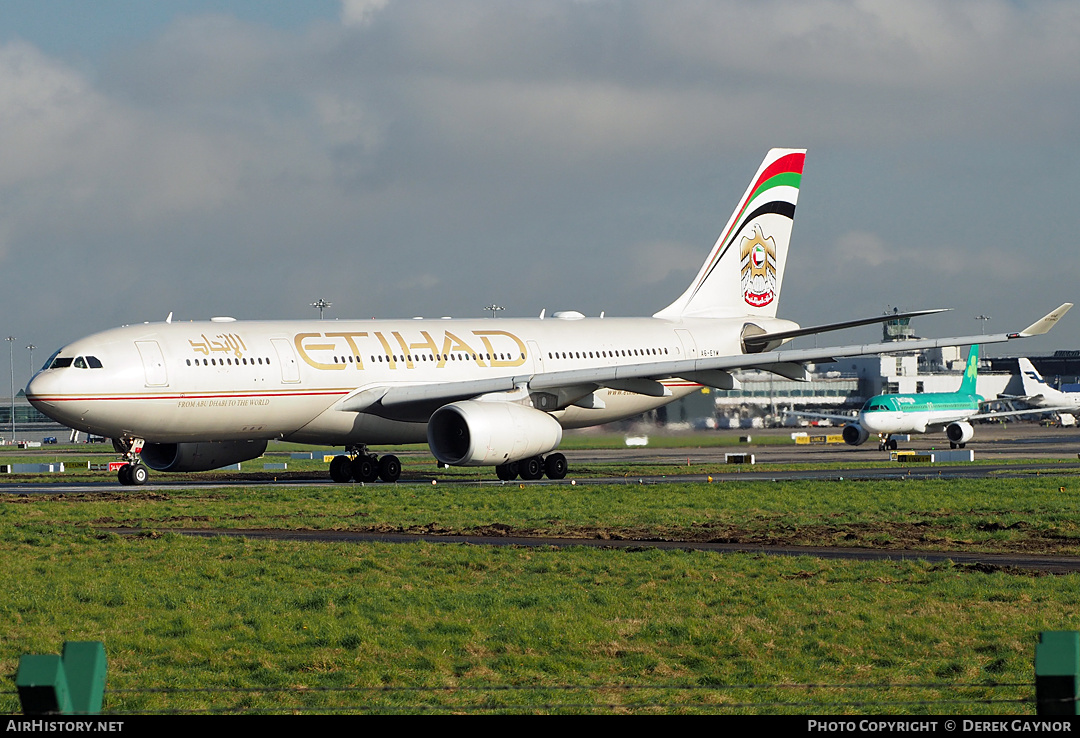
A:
(80, 363)
(61, 362)
(93, 362)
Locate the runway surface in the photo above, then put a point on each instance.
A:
(1011, 450)
(1001, 451)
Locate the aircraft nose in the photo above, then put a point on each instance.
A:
(45, 392)
(38, 389)
(868, 421)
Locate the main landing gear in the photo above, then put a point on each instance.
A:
(364, 467)
(132, 472)
(535, 467)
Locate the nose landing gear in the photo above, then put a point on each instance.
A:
(886, 442)
(132, 472)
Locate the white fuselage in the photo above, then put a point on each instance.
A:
(929, 413)
(237, 380)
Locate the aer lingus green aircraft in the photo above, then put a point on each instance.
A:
(929, 412)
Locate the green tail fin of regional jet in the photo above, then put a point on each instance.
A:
(967, 387)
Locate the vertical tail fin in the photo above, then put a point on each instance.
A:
(967, 386)
(1033, 382)
(1035, 386)
(745, 268)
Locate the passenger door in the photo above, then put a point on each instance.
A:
(153, 363)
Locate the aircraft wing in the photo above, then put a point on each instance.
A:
(761, 340)
(825, 416)
(414, 401)
(1029, 411)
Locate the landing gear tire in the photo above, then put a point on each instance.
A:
(132, 474)
(555, 466)
(531, 468)
(890, 445)
(507, 472)
(389, 468)
(364, 469)
(139, 474)
(341, 469)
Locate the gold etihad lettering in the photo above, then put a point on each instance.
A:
(515, 359)
(302, 349)
(325, 351)
(350, 338)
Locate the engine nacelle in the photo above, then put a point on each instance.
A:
(854, 434)
(960, 432)
(201, 456)
(472, 433)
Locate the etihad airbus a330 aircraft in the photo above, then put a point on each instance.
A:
(924, 412)
(200, 395)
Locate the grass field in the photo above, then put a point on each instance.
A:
(312, 627)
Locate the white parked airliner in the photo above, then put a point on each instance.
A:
(198, 396)
(1039, 394)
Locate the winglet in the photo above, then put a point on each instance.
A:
(1045, 323)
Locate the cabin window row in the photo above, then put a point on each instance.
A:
(607, 354)
(229, 362)
(383, 358)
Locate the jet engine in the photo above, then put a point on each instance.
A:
(854, 434)
(202, 456)
(473, 433)
(959, 432)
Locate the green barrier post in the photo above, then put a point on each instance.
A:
(72, 684)
(1057, 673)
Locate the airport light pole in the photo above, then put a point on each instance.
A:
(321, 305)
(494, 308)
(11, 362)
(983, 318)
(30, 347)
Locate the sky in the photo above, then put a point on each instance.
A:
(403, 158)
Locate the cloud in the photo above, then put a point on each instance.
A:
(360, 12)
(405, 158)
